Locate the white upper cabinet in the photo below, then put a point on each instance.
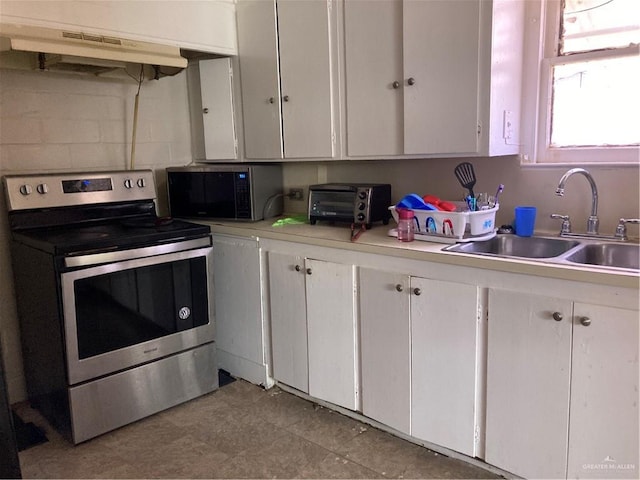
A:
(218, 120)
(440, 82)
(207, 26)
(286, 75)
(422, 76)
(373, 55)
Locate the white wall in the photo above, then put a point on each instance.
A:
(65, 122)
(618, 187)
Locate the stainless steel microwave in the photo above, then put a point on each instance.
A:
(225, 191)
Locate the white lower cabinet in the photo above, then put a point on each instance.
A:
(562, 388)
(331, 325)
(498, 368)
(386, 347)
(445, 317)
(288, 320)
(419, 350)
(240, 326)
(313, 327)
(528, 369)
(604, 423)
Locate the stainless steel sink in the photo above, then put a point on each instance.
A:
(607, 255)
(587, 252)
(514, 246)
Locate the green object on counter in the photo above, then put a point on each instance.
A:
(293, 220)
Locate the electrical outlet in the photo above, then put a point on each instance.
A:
(296, 194)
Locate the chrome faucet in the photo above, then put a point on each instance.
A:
(592, 223)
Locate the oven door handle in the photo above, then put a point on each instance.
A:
(123, 255)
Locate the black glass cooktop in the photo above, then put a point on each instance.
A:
(114, 234)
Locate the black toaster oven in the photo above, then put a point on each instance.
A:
(359, 203)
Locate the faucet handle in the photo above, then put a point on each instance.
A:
(621, 229)
(566, 223)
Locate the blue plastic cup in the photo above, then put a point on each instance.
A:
(525, 220)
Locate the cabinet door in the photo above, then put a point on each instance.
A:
(217, 109)
(259, 78)
(238, 304)
(305, 69)
(373, 71)
(386, 347)
(603, 433)
(528, 376)
(331, 324)
(444, 325)
(441, 68)
(288, 320)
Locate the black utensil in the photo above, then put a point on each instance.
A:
(466, 176)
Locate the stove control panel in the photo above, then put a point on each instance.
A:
(25, 192)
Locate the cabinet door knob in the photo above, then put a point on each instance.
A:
(586, 321)
(205, 110)
(285, 98)
(271, 99)
(298, 268)
(308, 271)
(411, 81)
(417, 291)
(395, 84)
(399, 287)
(557, 316)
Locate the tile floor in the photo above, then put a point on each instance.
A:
(240, 431)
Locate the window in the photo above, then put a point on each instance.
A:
(588, 72)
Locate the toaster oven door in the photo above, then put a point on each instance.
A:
(331, 205)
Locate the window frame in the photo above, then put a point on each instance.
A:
(541, 55)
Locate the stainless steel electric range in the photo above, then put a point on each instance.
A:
(115, 303)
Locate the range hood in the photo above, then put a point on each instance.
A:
(75, 50)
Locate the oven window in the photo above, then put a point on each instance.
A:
(127, 307)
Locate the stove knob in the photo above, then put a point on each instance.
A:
(361, 206)
(362, 195)
(361, 217)
(42, 188)
(26, 189)
(141, 183)
(128, 183)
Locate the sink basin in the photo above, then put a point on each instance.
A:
(514, 246)
(607, 255)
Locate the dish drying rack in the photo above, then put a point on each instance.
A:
(451, 227)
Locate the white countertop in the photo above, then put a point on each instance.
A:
(378, 241)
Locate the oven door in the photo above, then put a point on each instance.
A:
(128, 312)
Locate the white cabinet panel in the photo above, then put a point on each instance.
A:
(603, 432)
(260, 78)
(386, 347)
(287, 78)
(305, 67)
(528, 376)
(288, 320)
(374, 77)
(457, 67)
(238, 307)
(444, 329)
(217, 109)
(441, 65)
(331, 324)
